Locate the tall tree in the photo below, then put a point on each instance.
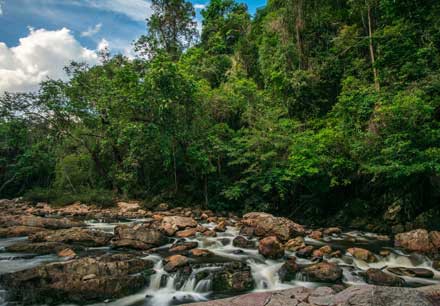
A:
(171, 28)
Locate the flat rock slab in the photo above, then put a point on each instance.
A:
(324, 296)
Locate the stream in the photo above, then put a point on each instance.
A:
(162, 289)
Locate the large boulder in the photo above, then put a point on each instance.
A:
(170, 225)
(364, 295)
(362, 254)
(270, 247)
(233, 278)
(35, 221)
(323, 272)
(76, 235)
(419, 240)
(380, 278)
(267, 225)
(79, 281)
(138, 236)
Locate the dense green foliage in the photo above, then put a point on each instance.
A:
(325, 108)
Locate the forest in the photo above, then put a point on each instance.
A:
(314, 109)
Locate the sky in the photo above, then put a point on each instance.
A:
(39, 37)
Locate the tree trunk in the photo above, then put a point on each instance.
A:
(176, 186)
(299, 27)
(372, 56)
(205, 190)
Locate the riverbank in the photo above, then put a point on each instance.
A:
(127, 255)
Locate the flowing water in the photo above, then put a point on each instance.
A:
(167, 289)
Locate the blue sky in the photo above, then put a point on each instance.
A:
(40, 37)
(90, 21)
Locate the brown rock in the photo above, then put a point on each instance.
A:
(415, 241)
(170, 225)
(270, 247)
(34, 221)
(305, 252)
(17, 231)
(317, 235)
(325, 250)
(67, 253)
(173, 263)
(378, 277)
(209, 233)
(295, 244)
(200, 253)
(40, 248)
(362, 254)
(138, 236)
(76, 235)
(114, 276)
(323, 272)
(242, 242)
(267, 225)
(183, 246)
(332, 231)
(191, 232)
(221, 227)
(412, 272)
(288, 270)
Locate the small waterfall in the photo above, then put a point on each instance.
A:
(204, 286)
(266, 275)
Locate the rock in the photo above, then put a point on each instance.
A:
(233, 278)
(76, 235)
(191, 232)
(418, 240)
(295, 244)
(114, 276)
(378, 277)
(270, 247)
(322, 251)
(138, 236)
(40, 248)
(317, 235)
(128, 207)
(332, 231)
(384, 253)
(67, 253)
(392, 213)
(436, 264)
(305, 252)
(288, 270)
(267, 225)
(17, 231)
(362, 254)
(39, 222)
(174, 262)
(242, 242)
(363, 295)
(323, 272)
(412, 272)
(170, 225)
(247, 231)
(209, 233)
(221, 227)
(200, 253)
(162, 207)
(204, 216)
(336, 254)
(180, 247)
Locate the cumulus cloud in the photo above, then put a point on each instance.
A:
(137, 10)
(91, 31)
(1, 7)
(199, 6)
(42, 54)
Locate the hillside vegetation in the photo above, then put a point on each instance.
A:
(318, 109)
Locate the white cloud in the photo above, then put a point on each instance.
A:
(42, 54)
(1, 7)
(91, 31)
(137, 10)
(199, 6)
(103, 45)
